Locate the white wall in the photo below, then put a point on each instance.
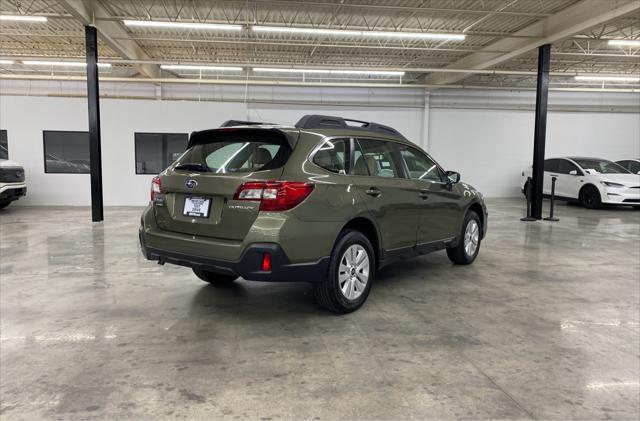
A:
(490, 146)
(26, 117)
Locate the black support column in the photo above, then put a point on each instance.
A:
(540, 136)
(93, 97)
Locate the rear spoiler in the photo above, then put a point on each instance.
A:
(233, 123)
(221, 134)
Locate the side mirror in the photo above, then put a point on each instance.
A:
(573, 172)
(453, 177)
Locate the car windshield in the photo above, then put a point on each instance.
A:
(601, 166)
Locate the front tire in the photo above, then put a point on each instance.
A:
(468, 247)
(352, 269)
(214, 278)
(4, 204)
(590, 197)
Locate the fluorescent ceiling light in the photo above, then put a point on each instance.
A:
(368, 72)
(625, 42)
(182, 25)
(596, 78)
(380, 34)
(60, 63)
(329, 71)
(22, 18)
(204, 68)
(289, 70)
(7, 61)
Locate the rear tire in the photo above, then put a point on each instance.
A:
(352, 269)
(468, 247)
(590, 197)
(4, 204)
(214, 278)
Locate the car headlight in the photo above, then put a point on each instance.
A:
(610, 184)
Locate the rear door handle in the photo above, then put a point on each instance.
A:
(424, 194)
(373, 192)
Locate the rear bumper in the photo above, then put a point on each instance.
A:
(247, 266)
(12, 191)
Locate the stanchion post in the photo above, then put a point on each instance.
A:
(553, 194)
(529, 189)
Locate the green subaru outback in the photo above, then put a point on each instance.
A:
(329, 202)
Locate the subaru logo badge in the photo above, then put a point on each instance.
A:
(192, 184)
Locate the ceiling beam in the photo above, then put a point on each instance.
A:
(570, 21)
(111, 32)
(244, 82)
(373, 7)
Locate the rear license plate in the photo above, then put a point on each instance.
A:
(197, 206)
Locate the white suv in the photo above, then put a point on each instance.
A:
(591, 181)
(12, 183)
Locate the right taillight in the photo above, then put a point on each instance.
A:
(156, 187)
(274, 195)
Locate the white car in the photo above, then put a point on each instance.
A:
(591, 181)
(12, 182)
(632, 165)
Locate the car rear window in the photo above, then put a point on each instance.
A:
(238, 152)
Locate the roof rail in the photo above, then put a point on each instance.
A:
(232, 123)
(316, 121)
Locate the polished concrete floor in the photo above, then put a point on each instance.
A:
(544, 325)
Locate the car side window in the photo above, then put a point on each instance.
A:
(625, 164)
(420, 166)
(551, 165)
(375, 159)
(332, 155)
(632, 166)
(565, 167)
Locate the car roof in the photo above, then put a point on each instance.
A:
(294, 133)
(355, 133)
(586, 157)
(325, 126)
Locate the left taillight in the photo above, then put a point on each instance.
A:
(156, 187)
(275, 195)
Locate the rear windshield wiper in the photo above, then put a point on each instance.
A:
(191, 166)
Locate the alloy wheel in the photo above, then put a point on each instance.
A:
(471, 237)
(353, 272)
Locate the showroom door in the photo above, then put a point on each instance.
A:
(438, 210)
(390, 198)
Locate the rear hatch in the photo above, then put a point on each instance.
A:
(199, 188)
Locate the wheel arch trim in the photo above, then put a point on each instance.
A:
(355, 223)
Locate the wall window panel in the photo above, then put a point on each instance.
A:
(156, 151)
(4, 145)
(66, 152)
